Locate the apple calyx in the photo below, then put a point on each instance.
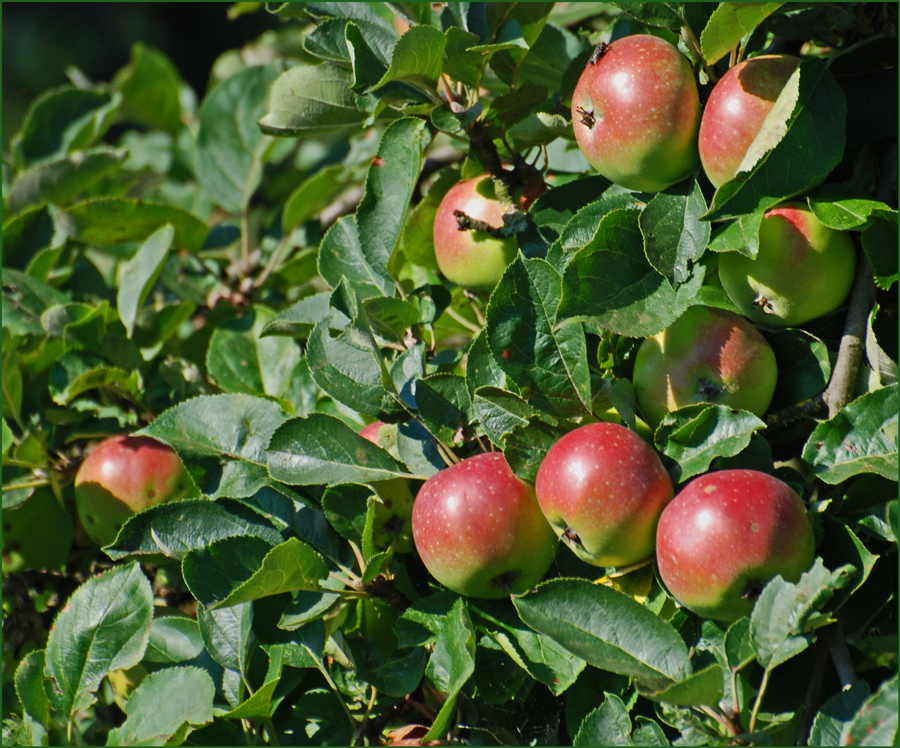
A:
(505, 580)
(587, 117)
(709, 391)
(753, 590)
(763, 303)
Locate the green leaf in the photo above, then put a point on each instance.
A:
(311, 99)
(26, 235)
(8, 437)
(178, 528)
(695, 435)
(329, 41)
(300, 318)
(500, 411)
(150, 86)
(29, 681)
(416, 59)
(77, 372)
(259, 705)
(673, 233)
(103, 222)
(12, 380)
(451, 664)
(876, 721)
(881, 334)
(445, 407)
(228, 139)
(880, 242)
(400, 675)
(240, 360)
(803, 367)
(786, 614)
(729, 23)
(141, 273)
(861, 438)
(526, 446)
(833, 719)
(173, 639)
(607, 628)
(322, 449)
(844, 208)
(25, 299)
(552, 211)
(737, 645)
(799, 144)
(538, 129)
(227, 635)
(701, 688)
(740, 235)
(611, 283)
(63, 179)
(314, 194)
(62, 120)
(104, 626)
(167, 703)
(664, 15)
(345, 508)
(547, 362)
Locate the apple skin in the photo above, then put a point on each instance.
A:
(472, 259)
(37, 535)
(736, 110)
(706, 356)
(727, 534)
(122, 476)
(602, 489)
(393, 516)
(803, 269)
(636, 113)
(479, 530)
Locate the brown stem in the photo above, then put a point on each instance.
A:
(787, 416)
(843, 377)
(813, 692)
(833, 636)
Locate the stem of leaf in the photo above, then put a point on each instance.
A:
(359, 557)
(273, 260)
(759, 697)
(462, 320)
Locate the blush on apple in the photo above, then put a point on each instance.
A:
(602, 489)
(728, 533)
(636, 113)
(706, 356)
(479, 530)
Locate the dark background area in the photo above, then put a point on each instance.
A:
(41, 40)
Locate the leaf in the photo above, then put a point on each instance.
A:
(803, 367)
(228, 138)
(861, 438)
(451, 664)
(526, 446)
(167, 703)
(8, 438)
(553, 210)
(882, 327)
(104, 626)
(729, 23)
(416, 59)
(150, 86)
(738, 645)
(314, 194)
(311, 99)
(538, 129)
(500, 411)
(444, 406)
(141, 273)
(800, 142)
(611, 283)
(400, 675)
(25, 299)
(701, 688)
(607, 628)
(695, 435)
(61, 180)
(29, 681)
(259, 704)
(665, 15)
(173, 639)
(227, 635)
(178, 528)
(673, 233)
(77, 372)
(322, 449)
(102, 222)
(240, 360)
(876, 721)
(833, 719)
(608, 724)
(786, 614)
(547, 362)
(879, 242)
(844, 208)
(26, 235)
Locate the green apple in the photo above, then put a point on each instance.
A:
(122, 476)
(803, 269)
(728, 533)
(37, 534)
(602, 488)
(706, 356)
(636, 113)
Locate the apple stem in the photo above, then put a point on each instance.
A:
(467, 223)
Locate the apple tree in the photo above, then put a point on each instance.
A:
(411, 249)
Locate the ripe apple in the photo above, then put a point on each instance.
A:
(706, 356)
(636, 113)
(37, 535)
(602, 488)
(736, 110)
(472, 259)
(393, 515)
(803, 269)
(122, 476)
(479, 530)
(728, 533)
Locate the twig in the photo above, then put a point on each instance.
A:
(833, 636)
(813, 692)
(787, 416)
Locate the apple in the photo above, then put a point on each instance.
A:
(479, 530)
(37, 535)
(472, 259)
(706, 356)
(636, 112)
(803, 269)
(393, 515)
(602, 489)
(122, 476)
(735, 112)
(728, 533)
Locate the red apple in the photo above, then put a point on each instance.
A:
(602, 488)
(706, 356)
(393, 515)
(636, 113)
(727, 534)
(479, 530)
(803, 269)
(122, 476)
(736, 110)
(472, 259)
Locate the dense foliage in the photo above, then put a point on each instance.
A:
(251, 278)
